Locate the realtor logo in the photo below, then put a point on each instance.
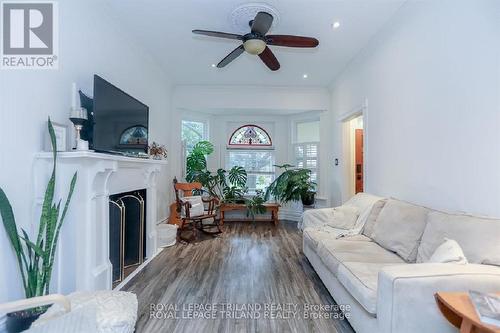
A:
(29, 35)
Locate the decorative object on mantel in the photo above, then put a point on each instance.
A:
(61, 133)
(36, 258)
(78, 117)
(157, 151)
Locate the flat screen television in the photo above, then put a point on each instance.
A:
(120, 122)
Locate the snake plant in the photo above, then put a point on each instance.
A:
(35, 258)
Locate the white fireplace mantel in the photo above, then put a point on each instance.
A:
(82, 261)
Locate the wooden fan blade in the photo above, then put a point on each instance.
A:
(262, 23)
(231, 56)
(291, 41)
(269, 59)
(217, 34)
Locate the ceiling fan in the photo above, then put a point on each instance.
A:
(256, 41)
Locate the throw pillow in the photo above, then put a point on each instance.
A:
(197, 207)
(372, 217)
(344, 217)
(399, 227)
(449, 252)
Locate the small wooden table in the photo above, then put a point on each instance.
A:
(458, 309)
(273, 208)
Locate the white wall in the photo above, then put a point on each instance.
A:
(90, 42)
(432, 81)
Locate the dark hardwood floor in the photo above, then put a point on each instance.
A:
(256, 267)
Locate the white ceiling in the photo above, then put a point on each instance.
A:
(164, 29)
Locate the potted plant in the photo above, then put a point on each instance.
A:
(255, 205)
(293, 184)
(227, 186)
(35, 258)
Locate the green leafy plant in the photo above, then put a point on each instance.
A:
(36, 258)
(255, 205)
(223, 185)
(292, 185)
(227, 186)
(196, 162)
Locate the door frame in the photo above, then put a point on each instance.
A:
(346, 170)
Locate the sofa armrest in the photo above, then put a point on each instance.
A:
(33, 302)
(405, 293)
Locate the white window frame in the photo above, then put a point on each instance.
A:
(258, 149)
(183, 143)
(304, 144)
(295, 144)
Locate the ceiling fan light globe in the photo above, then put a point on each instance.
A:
(254, 46)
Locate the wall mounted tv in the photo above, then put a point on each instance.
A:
(120, 122)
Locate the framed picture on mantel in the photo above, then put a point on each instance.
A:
(61, 132)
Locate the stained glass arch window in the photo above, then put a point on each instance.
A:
(250, 136)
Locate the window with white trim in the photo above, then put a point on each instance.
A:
(259, 165)
(192, 132)
(250, 147)
(306, 147)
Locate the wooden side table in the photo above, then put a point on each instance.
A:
(273, 208)
(458, 309)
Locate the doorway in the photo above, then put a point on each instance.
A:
(353, 151)
(357, 163)
(358, 160)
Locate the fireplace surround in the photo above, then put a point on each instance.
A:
(83, 255)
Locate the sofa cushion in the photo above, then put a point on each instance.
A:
(355, 237)
(399, 227)
(313, 236)
(335, 252)
(321, 216)
(478, 237)
(364, 202)
(361, 280)
(344, 217)
(372, 217)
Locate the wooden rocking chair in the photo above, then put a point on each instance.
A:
(194, 223)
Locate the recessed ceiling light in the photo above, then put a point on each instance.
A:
(213, 65)
(305, 76)
(335, 25)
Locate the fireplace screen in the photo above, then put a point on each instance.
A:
(127, 241)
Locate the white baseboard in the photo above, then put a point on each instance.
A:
(290, 214)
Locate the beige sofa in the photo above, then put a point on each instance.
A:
(382, 272)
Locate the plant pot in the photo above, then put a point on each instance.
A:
(21, 320)
(308, 198)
